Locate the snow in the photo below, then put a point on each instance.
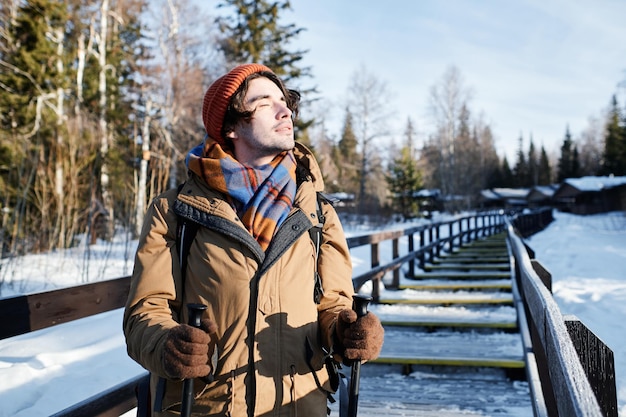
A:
(48, 370)
(594, 183)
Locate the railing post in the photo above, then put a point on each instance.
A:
(598, 363)
(422, 254)
(475, 218)
(375, 262)
(437, 237)
(461, 232)
(486, 224)
(395, 255)
(451, 236)
(411, 272)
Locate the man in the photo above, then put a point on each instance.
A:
(275, 309)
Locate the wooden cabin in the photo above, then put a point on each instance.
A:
(590, 195)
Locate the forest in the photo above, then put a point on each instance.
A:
(100, 101)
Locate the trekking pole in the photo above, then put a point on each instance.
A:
(195, 316)
(360, 306)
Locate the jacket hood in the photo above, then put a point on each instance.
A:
(306, 159)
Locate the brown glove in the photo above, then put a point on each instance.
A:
(361, 338)
(186, 352)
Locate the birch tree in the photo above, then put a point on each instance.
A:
(369, 101)
(33, 106)
(591, 146)
(448, 98)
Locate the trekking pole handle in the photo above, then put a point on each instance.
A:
(195, 317)
(359, 305)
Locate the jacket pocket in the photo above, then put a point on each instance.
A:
(317, 362)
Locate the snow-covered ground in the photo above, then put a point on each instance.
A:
(48, 370)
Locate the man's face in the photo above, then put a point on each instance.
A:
(270, 131)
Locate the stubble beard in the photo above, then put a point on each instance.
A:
(275, 147)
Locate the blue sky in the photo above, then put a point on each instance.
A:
(534, 67)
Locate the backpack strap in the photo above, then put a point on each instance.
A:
(316, 236)
(185, 234)
(186, 231)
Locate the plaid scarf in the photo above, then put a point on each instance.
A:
(262, 196)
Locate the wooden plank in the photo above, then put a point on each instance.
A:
(467, 267)
(461, 275)
(458, 286)
(452, 361)
(511, 325)
(470, 259)
(448, 301)
(498, 241)
(26, 313)
(480, 252)
(493, 243)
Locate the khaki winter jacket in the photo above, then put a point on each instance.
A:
(269, 359)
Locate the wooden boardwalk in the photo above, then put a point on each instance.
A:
(452, 342)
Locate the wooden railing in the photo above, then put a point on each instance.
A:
(432, 239)
(527, 224)
(576, 370)
(425, 242)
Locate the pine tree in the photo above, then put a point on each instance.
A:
(533, 166)
(575, 163)
(494, 177)
(508, 179)
(253, 34)
(568, 163)
(614, 143)
(30, 76)
(404, 178)
(545, 171)
(489, 166)
(521, 167)
(347, 157)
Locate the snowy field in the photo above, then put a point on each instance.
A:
(46, 371)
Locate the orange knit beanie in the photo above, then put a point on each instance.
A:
(218, 95)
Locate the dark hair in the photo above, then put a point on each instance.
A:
(236, 109)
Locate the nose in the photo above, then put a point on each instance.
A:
(283, 111)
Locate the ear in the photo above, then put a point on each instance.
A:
(232, 135)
